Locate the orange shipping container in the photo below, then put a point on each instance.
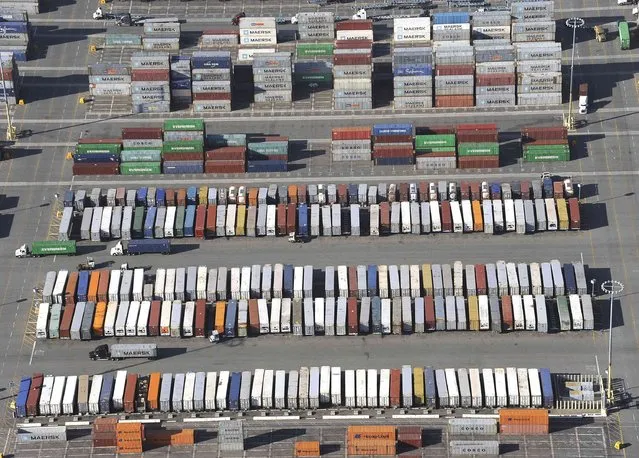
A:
(252, 197)
(371, 433)
(134, 429)
(478, 217)
(98, 319)
(307, 448)
(220, 309)
(94, 281)
(72, 283)
(523, 421)
(104, 424)
(292, 194)
(103, 286)
(372, 449)
(154, 391)
(183, 437)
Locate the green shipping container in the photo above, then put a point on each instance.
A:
(268, 148)
(183, 146)
(565, 323)
(434, 141)
(314, 49)
(122, 39)
(179, 221)
(220, 140)
(141, 168)
(541, 156)
(53, 247)
(554, 148)
(138, 223)
(314, 77)
(98, 148)
(624, 35)
(478, 149)
(446, 149)
(141, 155)
(184, 125)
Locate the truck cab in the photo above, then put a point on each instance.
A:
(117, 250)
(22, 252)
(583, 98)
(100, 353)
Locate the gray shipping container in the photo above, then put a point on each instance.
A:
(447, 277)
(76, 323)
(85, 226)
(165, 392)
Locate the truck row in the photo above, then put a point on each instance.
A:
(306, 388)
(314, 316)
(287, 281)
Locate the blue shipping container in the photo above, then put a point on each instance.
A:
(413, 70)
(189, 221)
(149, 246)
(191, 195)
(14, 27)
(394, 161)
(495, 190)
(231, 318)
(179, 167)
(266, 166)
(68, 198)
(569, 279)
(207, 62)
(20, 56)
(23, 394)
(96, 158)
(179, 58)
(288, 280)
(451, 18)
(393, 129)
(431, 393)
(376, 314)
(160, 197)
(234, 391)
(352, 194)
(181, 83)
(105, 393)
(140, 197)
(546, 388)
(302, 220)
(149, 222)
(83, 285)
(371, 280)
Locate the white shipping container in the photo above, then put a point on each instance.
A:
(518, 312)
(132, 318)
(513, 387)
(500, 388)
(371, 389)
(384, 388)
(411, 29)
(490, 399)
(529, 313)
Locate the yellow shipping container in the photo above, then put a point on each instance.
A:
(418, 386)
(473, 313)
(427, 280)
(203, 195)
(240, 222)
(562, 214)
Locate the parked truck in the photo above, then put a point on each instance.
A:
(46, 248)
(121, 351)
(624, 35)
(583, 98)
(142, 246)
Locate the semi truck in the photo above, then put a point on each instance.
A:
(142, 246)
(46, 248)
(122, 351)
(583, 98)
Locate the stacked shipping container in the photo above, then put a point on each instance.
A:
(435, 148)
(273, 78)
(97, 157)
(212, 81)
(150, 82)
(541, 144)
(393, 144)
(161, 36)
(477, 146)
(413, 77)
(353, 66)
(490, 25)
(494, 73)
(313, 67)
(109, 80)
(227, 153)
(15, 35)
(183, 147)
(351, 144)
(454, 75)
(180, 82)
(267, 154)
(217, 39)
(141, 151)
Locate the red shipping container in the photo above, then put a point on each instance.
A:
(392, 151)
(478, 162)
(384, 218)
(480, 279)
(544, 133)
(150, 75)
(254, 318)
(141, 133)
(496, 79)
(267, 138)
(129, 392)
(443, 130)
(525, 190)
(395, 388)
(477, 127)
(464, 190)
(352, 281)
(393, 139)
(212, 96)
(475, 193)
(352, 316)
(423, 191)
(200, 318)
(181, 196)
(353, 44)
(34, 394)
(211, 215)
(352, 59)
(477, 136)
(224, 166)
(575, 214)
(226, 152)
(281, 217)
(454, 101)
(351, 133)
(99, 141)
(342, 194)
(69, 292)
(448, 70)
(103, 286)
(96, 168)
(65, 322)
(354, 24)
(301, 192)
(170, 197)
(403, 191)
(200, 221)
(221, 31)
(547, 141)
(154, 318)
(291, 218)
(447, 219)
(429, 313)
(507, 322)
(182, 156)
(449, 154)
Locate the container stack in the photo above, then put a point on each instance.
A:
(267, 154)
(104, 433)
(539, 78)
(15, 34)
(230, 436)
(523, 422)
(141, 151)
(409, 438)
(212, 81)
(477, 146)
(22, 6)
(532, 31)
(495, 75)
(97, 157)
(371, 440)
(214, 39)
(351, 144)
(411, 30)
(109, 80)
(165, 437)
(161, 36)
(490, 25)
(226, 153)
(180, 82)
(318, 26)
(258, 31)
(150, 82)
(129, 437)
(10, 79)
(413, 78)
(393, 144)
(544, 144)
(183, 147)
(435, 149)
(452, 28)
(454, 76)
(113, 39)
(352, 66)
(273, 79)
(313, 67)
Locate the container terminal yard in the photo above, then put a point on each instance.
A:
(397, 228)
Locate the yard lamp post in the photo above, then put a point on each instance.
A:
(610, 287)
(574, 23)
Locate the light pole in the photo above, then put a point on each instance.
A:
(574, 23)
(611, 287)
(592, 283)
(579, 192)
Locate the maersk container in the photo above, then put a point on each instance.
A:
(424, 214)
(419, 315)
(361, 288)
(386, 316)
(518, 313)
(407, 386)
(329, 316)
(471, 286)
(245, 390)
(458, 278)
(462, 319)
(484, 313)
